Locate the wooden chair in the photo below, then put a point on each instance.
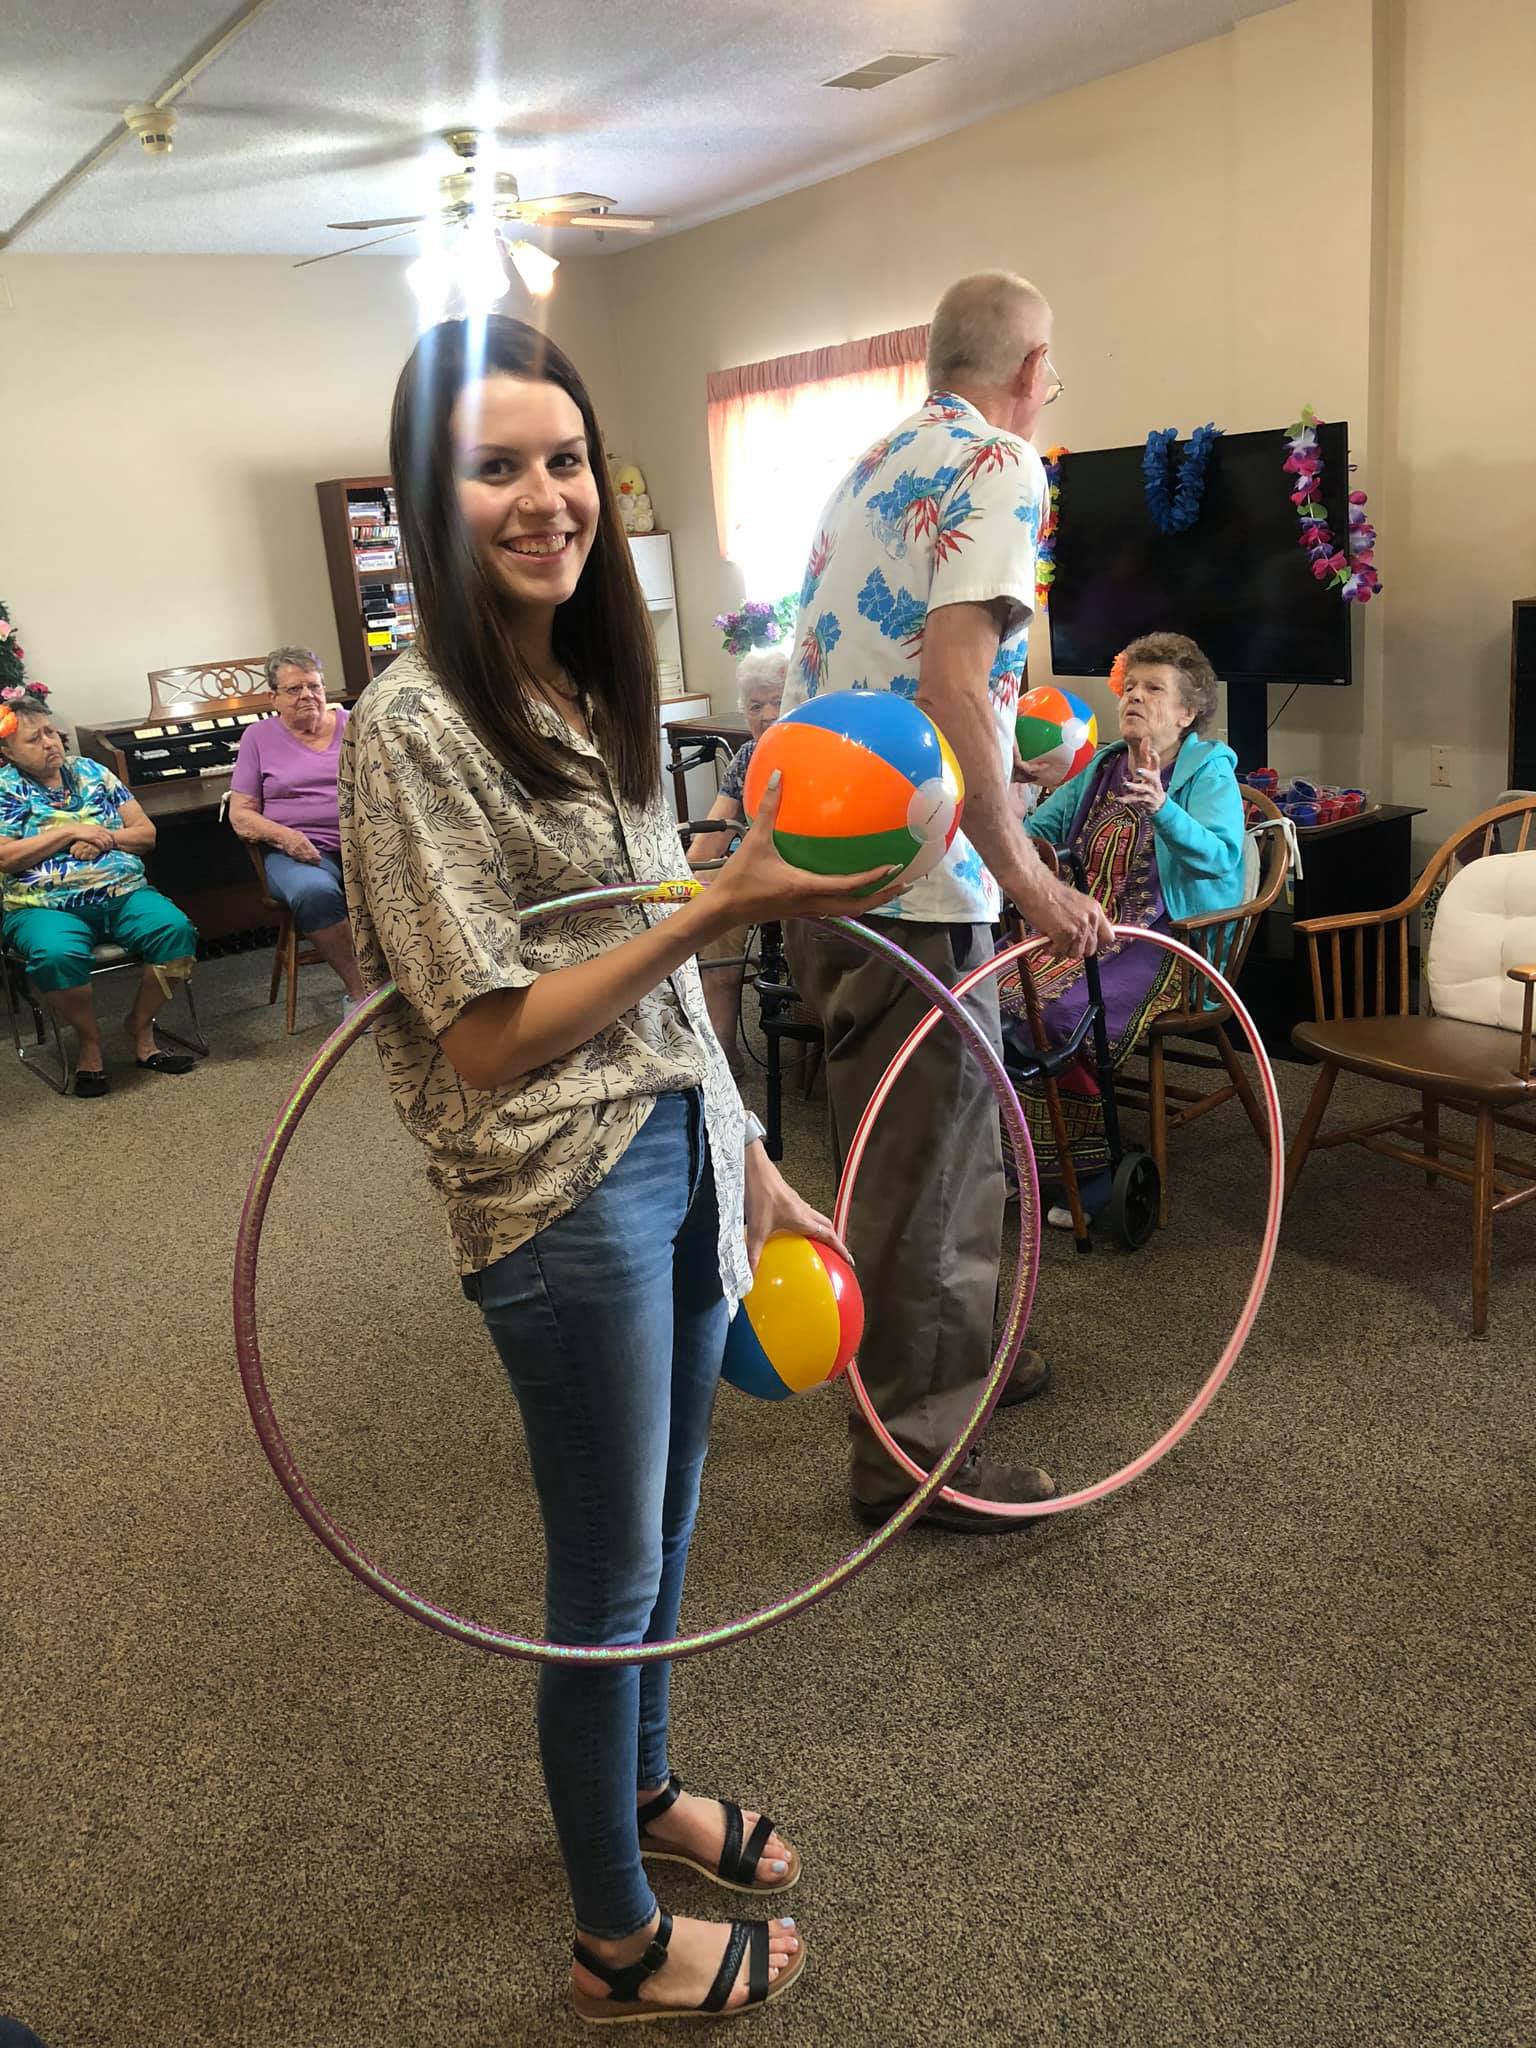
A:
(289, 954)
(1469, 1057)
(1223, 937)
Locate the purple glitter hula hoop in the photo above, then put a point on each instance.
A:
(500, 1642)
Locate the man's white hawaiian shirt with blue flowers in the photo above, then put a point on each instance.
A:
(944, 510)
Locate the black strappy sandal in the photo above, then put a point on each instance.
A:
(737, 1868)
(749, 1938)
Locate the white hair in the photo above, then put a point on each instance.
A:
(984, 327)
(304, 658)
(763, 669)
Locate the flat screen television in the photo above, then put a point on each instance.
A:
(1238, 581)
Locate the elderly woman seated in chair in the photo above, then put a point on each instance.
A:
(72, 879)
(1155, 823)
(282, 799)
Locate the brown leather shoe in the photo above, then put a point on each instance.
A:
(1030, 1376)
(984, 1478)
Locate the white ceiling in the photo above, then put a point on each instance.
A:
(688, 108)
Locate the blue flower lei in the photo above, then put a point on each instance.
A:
(1176, 512)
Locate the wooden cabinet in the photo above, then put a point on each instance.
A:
(372, 595)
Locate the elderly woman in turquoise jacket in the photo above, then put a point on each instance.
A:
(1156, 823)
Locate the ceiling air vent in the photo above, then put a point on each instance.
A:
(881, 70)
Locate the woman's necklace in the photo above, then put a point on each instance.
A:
(558, 685)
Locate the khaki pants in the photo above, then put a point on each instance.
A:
(926, 1224)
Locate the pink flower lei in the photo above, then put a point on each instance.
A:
(1351, 570)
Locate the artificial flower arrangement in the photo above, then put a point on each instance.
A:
(758, 625)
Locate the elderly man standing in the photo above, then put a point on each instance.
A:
(922, 580)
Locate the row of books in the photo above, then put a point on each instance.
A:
(389, 615)
(364, 509)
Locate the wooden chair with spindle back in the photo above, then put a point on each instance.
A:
(1461, 1049)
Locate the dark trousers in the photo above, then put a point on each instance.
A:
(926, 1224)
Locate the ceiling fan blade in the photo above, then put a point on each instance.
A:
(361, 227)
(330, 253)
(565, 202)
(624, 223)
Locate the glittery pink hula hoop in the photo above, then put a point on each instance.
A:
(1060, 1504)
(499, 1641)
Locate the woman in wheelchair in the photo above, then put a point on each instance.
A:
(71, 879)
(1153, 827)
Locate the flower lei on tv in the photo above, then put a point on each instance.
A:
(1176, 510)
(1351, 570)
(1050, 519)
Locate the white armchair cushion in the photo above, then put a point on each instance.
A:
(1485, 924)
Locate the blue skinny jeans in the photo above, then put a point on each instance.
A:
(611, 1324)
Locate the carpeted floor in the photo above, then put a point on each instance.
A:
(1241, 1757)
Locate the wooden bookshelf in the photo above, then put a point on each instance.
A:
(357, 517)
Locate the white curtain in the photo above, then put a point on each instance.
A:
(783, 433)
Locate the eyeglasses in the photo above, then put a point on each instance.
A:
(295, 690)
(1055, 387)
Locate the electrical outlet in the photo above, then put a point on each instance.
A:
(1439, 767)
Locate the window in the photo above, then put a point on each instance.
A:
(782, 435)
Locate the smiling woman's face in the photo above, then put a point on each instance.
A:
(526, 488)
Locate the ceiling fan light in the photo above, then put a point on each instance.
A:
(535, 267)
(430, 277)
(478, 271)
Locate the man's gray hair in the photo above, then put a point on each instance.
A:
(763, 668)
(290, 657)
(983, 328)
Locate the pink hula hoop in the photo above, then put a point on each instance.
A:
(1061, 1503)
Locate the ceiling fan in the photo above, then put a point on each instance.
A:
(475, 204)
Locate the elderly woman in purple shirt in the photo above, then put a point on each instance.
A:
(282, 798)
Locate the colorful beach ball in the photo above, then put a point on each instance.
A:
(799, 1325)
(1057, 734)
(869, 782)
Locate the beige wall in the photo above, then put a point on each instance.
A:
(1460, 512)
(165, 423)
(1162, 210)
(1331, 205)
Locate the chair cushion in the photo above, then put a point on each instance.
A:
(1448, 1058)
(109, 956)
(1485, 923)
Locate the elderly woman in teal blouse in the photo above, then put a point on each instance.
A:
(1156, 823)
(71, 878)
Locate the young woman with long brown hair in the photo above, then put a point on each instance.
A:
(605, 1195)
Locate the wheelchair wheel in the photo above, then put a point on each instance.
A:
(1133, 1201)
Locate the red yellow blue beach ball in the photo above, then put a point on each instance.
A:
(799, 1325)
